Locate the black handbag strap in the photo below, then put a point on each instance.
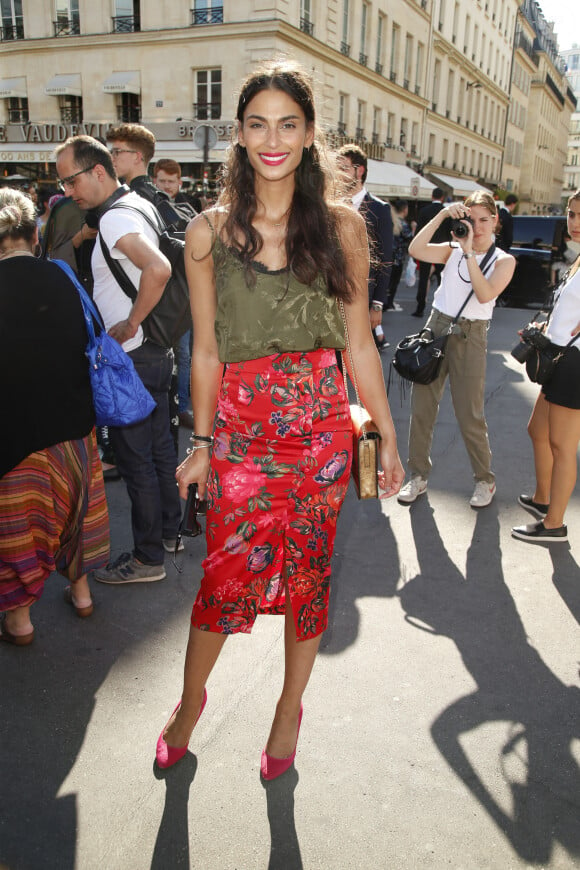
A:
(115, 267)
(485, 266)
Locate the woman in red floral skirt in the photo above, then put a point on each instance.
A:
(272, 443)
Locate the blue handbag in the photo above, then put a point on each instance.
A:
(119, 396)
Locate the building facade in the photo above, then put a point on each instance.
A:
(423, 85)
(572, 168)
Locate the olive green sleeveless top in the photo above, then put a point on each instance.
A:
(278, 314)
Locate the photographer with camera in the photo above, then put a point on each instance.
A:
(554, 426)
(471, 266)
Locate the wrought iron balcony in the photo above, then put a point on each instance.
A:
(12, 31)
(71, 115)
(393, 75)
(207, 15)
(359, 133)
(379, 68)
(375, 139)
(345, 48)
(341, 127)
(67, 27)
(207, 111)
(129, 114)
(126, 24)
(406, 84)
(18, 116)
(418, 89)
(363, 58)
(307, 26)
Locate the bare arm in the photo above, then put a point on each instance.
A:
(155, 272)
(420, 247)
(206, 368)
(367, 364)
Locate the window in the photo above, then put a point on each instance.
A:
(344, 45)
(361, 110)
(67, 18)
(403, 133)
(380, 39)
(466, 34)
(376, 125)
(209, 95)
(419, 67)
(342, 113)
(306, 22)
(390, 128)
(127, 17)
(208, 12)
(18, 110)
(128, 108)
(363, 34)
(436, 83)
(71, 109)
(394, 53)
(408, 60)
(455, 23)
(12, 20)
(450, 92)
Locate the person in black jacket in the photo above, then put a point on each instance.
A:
(505, 235)
(426, 214)
(377, 214)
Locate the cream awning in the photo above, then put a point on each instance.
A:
(10, 88)
(459, 186)
(67, 85)
(123, 83)
(395, 180)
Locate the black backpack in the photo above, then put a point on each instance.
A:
(171, 317)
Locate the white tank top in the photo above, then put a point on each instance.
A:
(453, 291)
(566, 313)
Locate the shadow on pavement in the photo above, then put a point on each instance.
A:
(515, 689)
(566, 578)
(284, 847)
(172, 843)
(365, 563)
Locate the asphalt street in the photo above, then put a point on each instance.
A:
(441, 724)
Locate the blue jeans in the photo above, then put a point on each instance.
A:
(184, 370)
(147, 461)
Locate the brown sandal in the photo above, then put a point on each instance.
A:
(80, 611)
(15, 639)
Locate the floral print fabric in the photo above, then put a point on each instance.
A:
(279, 473)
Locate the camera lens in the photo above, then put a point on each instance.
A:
(459, 229)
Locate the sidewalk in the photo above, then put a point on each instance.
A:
(441, 724)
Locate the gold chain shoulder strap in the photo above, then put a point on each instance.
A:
(352, 370)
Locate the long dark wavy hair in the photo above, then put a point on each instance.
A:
(312, 242)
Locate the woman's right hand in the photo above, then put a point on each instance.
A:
(193, 469)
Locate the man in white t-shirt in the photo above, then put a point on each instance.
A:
(144, 452)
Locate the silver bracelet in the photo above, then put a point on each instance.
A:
(469, 255)
(191, 450)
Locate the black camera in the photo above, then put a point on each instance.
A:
(532, 339)
(194, 507)
(459, 229)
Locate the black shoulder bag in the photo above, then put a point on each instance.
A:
(418, 357)
(171, 317)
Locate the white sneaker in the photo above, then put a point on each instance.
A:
(411, 490)
(482, 494)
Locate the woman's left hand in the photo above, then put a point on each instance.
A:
(576, 329)
(392, 475)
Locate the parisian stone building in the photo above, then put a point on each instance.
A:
(428, 87)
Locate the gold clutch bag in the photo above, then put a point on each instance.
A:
(365, 435)
(365, 454)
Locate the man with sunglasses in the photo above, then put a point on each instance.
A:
(144, 452)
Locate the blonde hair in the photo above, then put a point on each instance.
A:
(483, 198)
(17, 215)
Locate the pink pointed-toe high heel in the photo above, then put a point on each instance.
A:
(165, 755)
(271, 767)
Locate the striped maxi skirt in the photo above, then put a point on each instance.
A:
(278, 477)
(54, 518)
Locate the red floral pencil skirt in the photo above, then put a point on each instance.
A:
(279, 473)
